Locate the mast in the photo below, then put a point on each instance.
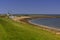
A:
(8, 14)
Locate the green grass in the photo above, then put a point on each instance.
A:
(10, 30)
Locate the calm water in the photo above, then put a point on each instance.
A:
(51, 22)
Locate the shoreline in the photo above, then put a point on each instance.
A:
(47, 27)
(26, 20)
(40, 26)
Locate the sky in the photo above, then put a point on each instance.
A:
(30, 6)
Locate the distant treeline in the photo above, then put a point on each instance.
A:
(32, 14)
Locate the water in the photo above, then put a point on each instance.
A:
(51, 22)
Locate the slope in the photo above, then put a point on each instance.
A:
(11, 30)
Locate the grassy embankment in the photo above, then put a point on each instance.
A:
(10, 30)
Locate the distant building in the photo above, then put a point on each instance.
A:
(10, 15)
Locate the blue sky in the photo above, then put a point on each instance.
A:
(30, 6)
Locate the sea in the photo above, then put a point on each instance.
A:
(50, 22)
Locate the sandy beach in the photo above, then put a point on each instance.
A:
(26, 19)
(52, 28)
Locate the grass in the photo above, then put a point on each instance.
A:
(10, 30)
